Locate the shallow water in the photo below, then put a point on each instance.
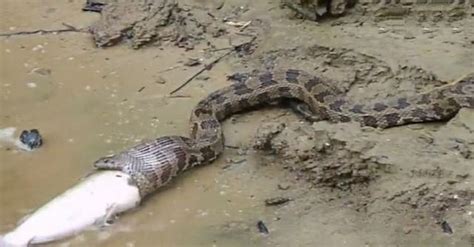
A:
(87, 102)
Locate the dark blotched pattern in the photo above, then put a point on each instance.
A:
(153, 164)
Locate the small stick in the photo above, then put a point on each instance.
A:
(467, 75)
(42, 31)
(178, 96)
(231, 147)
(209, 66)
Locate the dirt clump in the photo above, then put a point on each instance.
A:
(363, 166)
(141, 22)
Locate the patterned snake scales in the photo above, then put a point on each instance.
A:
(154, 163)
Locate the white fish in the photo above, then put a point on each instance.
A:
(93, 201)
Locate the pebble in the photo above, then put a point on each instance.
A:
(382, 30)
(160, 80)
(202, 77)
(276, 201)
(41, 71)
(456, 30)
(283, 186)
(192, 62)
(31, 138)
(446, 227)
(262, 228)
(37, 48)
(31, 84)
(427, 30)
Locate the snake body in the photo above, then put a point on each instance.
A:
(154, 163)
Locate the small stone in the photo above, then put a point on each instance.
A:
(31, 85)
(202, 77)
(242, 151)
(160, 80)
(427, 30)
(262, 228)
(31, 138)
(283, 186)
(382, 30)
(37, 48)
(41, 71)
(276, 201)
(192, 62)
(446, 227)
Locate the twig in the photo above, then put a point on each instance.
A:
(42, 31)
(465, 76)
(209, 66)
(178, 96)
(231, 147)
(221, 49)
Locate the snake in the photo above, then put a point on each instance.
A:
(154, 163)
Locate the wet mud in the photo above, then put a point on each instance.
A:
(282, 181)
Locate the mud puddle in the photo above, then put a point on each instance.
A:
(88, 102)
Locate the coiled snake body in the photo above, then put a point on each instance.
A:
(153, 164)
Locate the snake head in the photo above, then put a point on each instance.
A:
(108, 163)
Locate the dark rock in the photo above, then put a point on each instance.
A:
(276, 201)
(262, 228)
(94, 6)
(31, 138)
(446, 227)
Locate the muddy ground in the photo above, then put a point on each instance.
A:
(333, 184)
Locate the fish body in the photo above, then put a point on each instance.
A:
(93, 201)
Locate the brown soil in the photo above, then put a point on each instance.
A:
(309, 183)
